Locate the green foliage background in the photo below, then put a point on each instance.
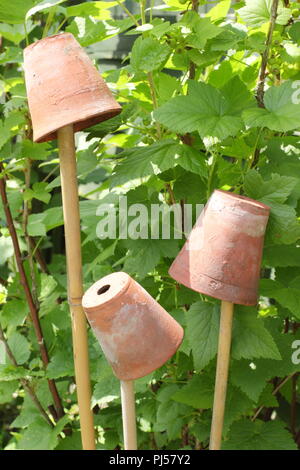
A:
(191, 122)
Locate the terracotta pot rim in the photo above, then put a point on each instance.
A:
(246, 199)
(184, 279)
(39, 41)
(52, 135)
(110, 300)
(154, 367)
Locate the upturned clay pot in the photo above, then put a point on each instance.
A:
(222, 255)
(64, 87)
(136, 334)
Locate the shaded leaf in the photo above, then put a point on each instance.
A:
(202, 332)
(258, 435)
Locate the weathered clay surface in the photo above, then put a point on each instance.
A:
(135, 333)
(64, 87)
(222, 255)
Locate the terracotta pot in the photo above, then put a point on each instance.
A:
(222, 255)
(64, 87)
(136, 334)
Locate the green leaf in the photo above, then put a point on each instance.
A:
(39, 191)
(214, 113)
(14, 313)
(35, 151)
(281, 112)
(237, 404)
(70, 442)
(198, 393)
(258, 12)
(287, 297)
(6, 247)
(269, 368)
(283, 226)
(156, 158)
(203, 29)
(87, 30)
(94, 9)
(275, 190)
(6, 391)
(169, 418)
(148, 54)
(14, 33)
(249, 378)
(61, 365)
(29, 413)
(8, 373)
(259, 435)
(219, 11)
(107, 389)
(202, 332)
(37, 437)
(267, 398)
(42, 6)
(282, 256)
(14, 13)
(20, 347)
(250, 338)
(294, 32)
(39, 224)
(145, 254)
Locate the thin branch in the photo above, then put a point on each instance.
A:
(265, 56)
(294, 405)
(36, 252)
(281, 384)
(170, 192)
(154, 100)
(128, 12)
(23, 381)
(26, 213)
(23, 279)
(192, 66)
(3, 282)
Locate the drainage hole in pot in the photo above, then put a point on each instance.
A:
(103, 289)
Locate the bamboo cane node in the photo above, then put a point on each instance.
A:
(73, 301)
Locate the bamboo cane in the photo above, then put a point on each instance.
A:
(221, 375)
(128, 414)
(69, 187)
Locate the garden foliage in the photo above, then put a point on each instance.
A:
(195, 117)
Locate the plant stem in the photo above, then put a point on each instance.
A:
(23, 381)
(294, 404)
(154, 100)
(151, 10)
(265, 56)
(281, 384)
(23, 279)
(171, 194)
(128, 12)
(255, 156)
(48, 21)
(26, 212)
(192, 66)
(26, 34)
(38, 255)
(142, 9)
(211, 174)
(3, 282)
(60, 25)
